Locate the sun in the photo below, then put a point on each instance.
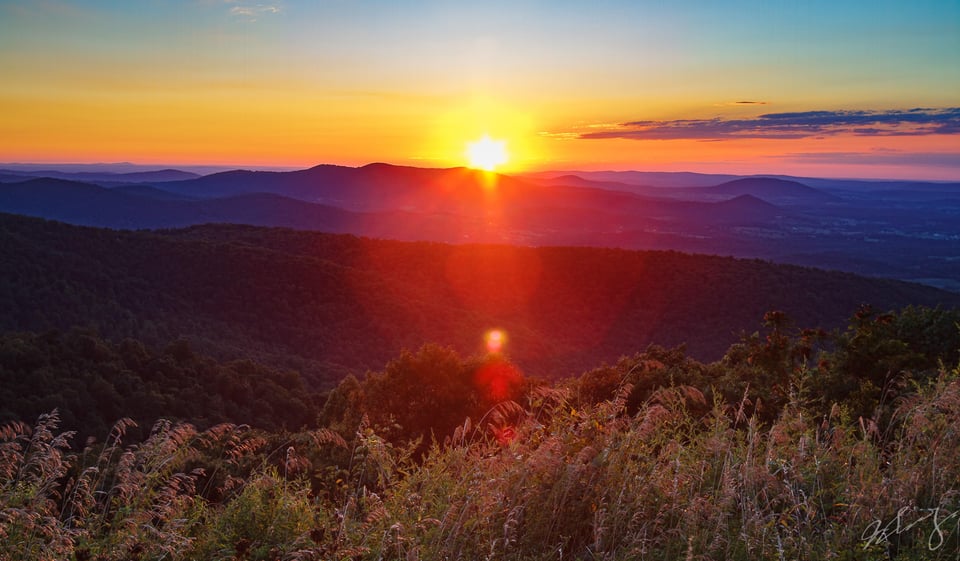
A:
(487, 153)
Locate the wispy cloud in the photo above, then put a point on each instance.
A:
(805, 124)
(252, 12)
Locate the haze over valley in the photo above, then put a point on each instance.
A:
(906, 230)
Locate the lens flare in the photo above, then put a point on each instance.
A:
(498, 380)
(495, 339)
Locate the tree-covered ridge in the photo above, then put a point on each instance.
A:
(799, 444)
(329, 305)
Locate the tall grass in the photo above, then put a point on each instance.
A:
(677, 478)
(666, 483)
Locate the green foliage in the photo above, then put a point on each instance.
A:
(269, 518)
(419, 393)
(423, 396)
(882, 354)
(92, 382)
(766, 367)
(640, 376)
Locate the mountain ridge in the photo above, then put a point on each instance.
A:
(333, 304)
(811, 224)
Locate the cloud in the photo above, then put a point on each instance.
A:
(253, 11)
(804, 124)
(741, 103)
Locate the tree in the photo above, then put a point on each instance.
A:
(422, 394)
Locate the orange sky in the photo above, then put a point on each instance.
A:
(291, 83)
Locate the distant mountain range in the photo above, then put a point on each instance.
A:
(639, 178)
(104, 177)
(770, 189)
(627, 180)
(451, 205)
(905, 230)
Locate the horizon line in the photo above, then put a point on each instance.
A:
(211, 168)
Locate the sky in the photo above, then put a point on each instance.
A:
(812, 88)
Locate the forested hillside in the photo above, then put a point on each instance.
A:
(329, 305)
(798, 444)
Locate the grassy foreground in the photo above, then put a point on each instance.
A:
(538, 481)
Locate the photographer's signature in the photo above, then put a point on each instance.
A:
(940, 521)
